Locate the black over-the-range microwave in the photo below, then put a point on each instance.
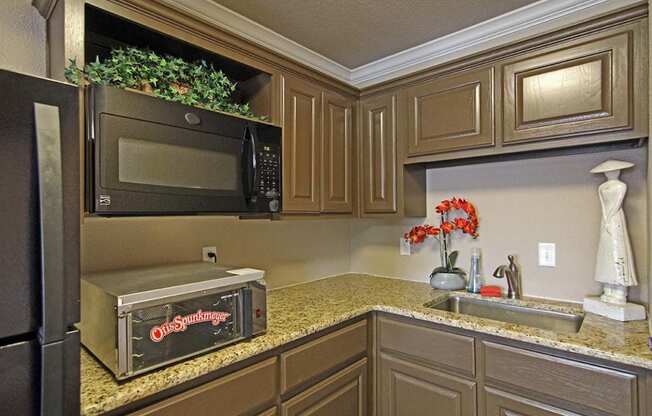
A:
(147, 156)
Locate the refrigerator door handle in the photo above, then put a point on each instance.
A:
(48, 145)
(52, 330)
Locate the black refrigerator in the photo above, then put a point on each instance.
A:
(39, 246)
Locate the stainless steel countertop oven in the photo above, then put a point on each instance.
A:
(136, 320)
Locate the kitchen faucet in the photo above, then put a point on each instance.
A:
(513, 275)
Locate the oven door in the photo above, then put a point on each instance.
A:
(161, 334)
(144, 167)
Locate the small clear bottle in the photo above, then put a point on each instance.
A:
(475, 281)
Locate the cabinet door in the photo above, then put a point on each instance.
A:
(301, 146)
(579, 89)
(451, 113)
(343, 394)
(499, 403)
(379, 152)
(337, 149)
(408, 389)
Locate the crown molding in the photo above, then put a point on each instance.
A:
(224, 18)
(534, 19)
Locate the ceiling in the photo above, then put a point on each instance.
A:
(367, 42)
(356, 32)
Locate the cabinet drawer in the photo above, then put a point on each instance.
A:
(308, 361)
(342, 394)
(239, 393)
(499, 403)
(444, 349)
(582, 385)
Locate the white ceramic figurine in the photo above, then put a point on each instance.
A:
(614, 266)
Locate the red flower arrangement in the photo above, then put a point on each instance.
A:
(468, 225)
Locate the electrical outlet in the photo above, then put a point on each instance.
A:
(405, 247)
(547, 255)
(209, 254)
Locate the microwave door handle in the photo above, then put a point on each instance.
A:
(250, 180)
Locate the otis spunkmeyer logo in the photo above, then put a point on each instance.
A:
(180, 323)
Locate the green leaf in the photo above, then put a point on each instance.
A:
(452, 258)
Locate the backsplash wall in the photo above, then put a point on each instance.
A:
(520, 203)
(290, 251)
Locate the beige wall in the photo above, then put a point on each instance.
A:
(22, 37)
(520, 203)
(290, 251)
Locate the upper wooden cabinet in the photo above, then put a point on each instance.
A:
(581, 88)
(337, 155)
(301, 146)
(451, 113)
(379, 154)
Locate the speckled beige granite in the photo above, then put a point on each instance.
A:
(301, 310)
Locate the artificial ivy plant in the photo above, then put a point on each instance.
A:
(164, 76)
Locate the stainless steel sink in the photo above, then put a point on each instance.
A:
(561, 322)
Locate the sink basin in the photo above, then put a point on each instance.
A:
(561, 322)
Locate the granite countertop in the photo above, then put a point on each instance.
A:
(301, 310)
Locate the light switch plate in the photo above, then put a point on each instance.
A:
(547, 255)
(405, 247)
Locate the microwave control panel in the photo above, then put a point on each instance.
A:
(269, 174)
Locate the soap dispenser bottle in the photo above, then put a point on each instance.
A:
(475, 282)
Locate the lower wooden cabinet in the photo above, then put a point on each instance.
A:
(499, 403)
(417, 369)
(342, 394)
(562, 382)
(308, 362)
(408, 389)
(242, 393)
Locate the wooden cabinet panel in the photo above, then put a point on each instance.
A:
(343, 394)
(301, 146)
(579, 89)
(239, 393)
(443, 349)
(269, 412)
(408, 389)
(451, 113)
(379, 152)
(314, 358)
(582, 385)
(499, 403)
(337, 155)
